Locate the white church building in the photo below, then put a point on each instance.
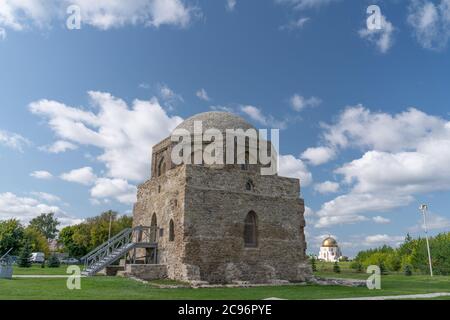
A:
(329, 251)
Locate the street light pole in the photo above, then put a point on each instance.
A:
(110, 223)
(423, 208)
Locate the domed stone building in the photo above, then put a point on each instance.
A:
(329, 251)
(220, 223)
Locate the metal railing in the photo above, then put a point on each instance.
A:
(6, 254)
(116, 247)
(105, 244)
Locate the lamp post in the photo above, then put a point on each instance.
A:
(423, 208)
(110, 224)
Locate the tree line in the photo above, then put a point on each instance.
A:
(411, 256)
(76, 240)
(80, 239)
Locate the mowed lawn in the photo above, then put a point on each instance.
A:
(37, 269)
(101, 287)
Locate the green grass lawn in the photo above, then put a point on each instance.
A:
(36, 269)
(101, 287)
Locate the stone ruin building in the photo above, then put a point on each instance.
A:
(220, 223)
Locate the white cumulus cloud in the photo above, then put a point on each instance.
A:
(430, 22)
(319, 155)
(26, 208)
(381, 220)
(292, 167)
(102, 14)
(202, 95)
(305, 4)
(434, 222)
(114, 188)
(169, 96)
(48, 197)
(83, 176)
(403, 155)
(380, 239)
(327, 187)
(125, 135)
(13, 140)
(257, 115)
(353, 207)
(41, 174)
(59, 147)
(299, 103)
(382, 38)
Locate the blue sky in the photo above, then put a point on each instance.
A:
(364, 114)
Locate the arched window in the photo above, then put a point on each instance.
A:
(161, 167)
(153, 228)
(250, 230)
(249, 185)
(171, 231)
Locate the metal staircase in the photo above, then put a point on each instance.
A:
(116, 247)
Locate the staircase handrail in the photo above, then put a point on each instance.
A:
(120, 241)
(106, 243)
(6, 253)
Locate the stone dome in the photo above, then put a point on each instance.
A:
(217, 120)
(329, 242)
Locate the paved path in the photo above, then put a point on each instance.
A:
(401, 297)
(49, 276)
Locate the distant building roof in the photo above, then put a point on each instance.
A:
(329, 242)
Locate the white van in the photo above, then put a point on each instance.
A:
(37, 257)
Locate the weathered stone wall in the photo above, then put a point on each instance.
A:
(164, 196)
(161, 153)
(147, 271)
(208, 207)
(217, 203)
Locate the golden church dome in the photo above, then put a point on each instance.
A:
(329, 242)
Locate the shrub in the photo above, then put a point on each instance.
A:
(53, 261)
(313, 264)
(382, 267)
(336, 268)
(25, 256)
(407, 270)
(356, 265)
